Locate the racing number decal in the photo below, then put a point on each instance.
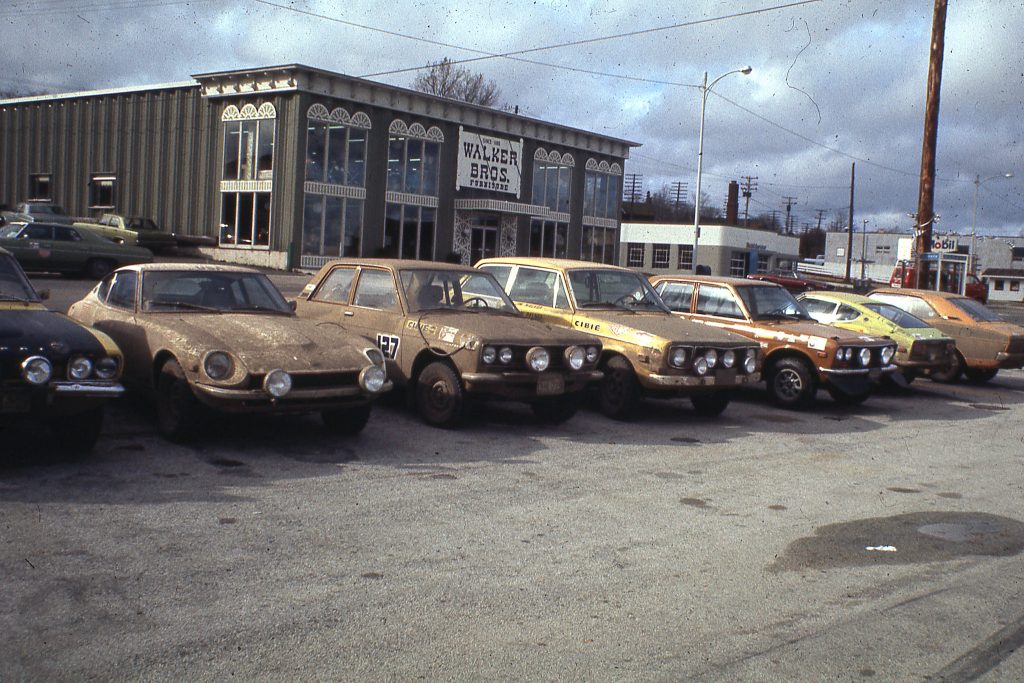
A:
(388, 345)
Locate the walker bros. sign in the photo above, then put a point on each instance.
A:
(489, 163)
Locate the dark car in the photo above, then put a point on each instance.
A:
(44, 211)
(50, 366)
(59, 248)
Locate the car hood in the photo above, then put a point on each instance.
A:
(266, 342)
(45, 333)
(810, 328)
(495, 327)
(667, 326)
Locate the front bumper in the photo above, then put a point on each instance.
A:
(56, 397)
(870, 373)
(297, 400)
(1009, 361)
(528, 385)
(687, 381)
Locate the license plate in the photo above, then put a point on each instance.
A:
(546, 386)
(726, 376)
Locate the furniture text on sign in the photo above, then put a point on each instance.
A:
(489, 163)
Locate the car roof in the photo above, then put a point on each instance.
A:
(399, 264)
(716, 279)
(189, 267)
(843, 297)
(923, 293)
(541, 262)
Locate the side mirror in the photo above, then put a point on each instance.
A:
(44, 294)
(292, 304)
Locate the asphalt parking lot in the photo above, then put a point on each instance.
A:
(880, 543)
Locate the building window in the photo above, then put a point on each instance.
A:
(245, 219)
(409, 232)
(40, 187)
(601, 193)
(102, 191)
(660, 256)
(249, 150)
(685, 261)
(763, 263)
(335, 154)
(635, 255)
(1014, 285)
(548, 238)
(332, 226)
(738, 264)
(413, 165)
(999, 285)
(552, 179)
(598, 244)
(247, 175)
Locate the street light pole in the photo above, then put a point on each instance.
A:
(972, 261)
(704, 90)
(863, 248)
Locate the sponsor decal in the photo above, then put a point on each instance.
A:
(816, 343)
(584, 325)
(388, 345)
(447, 334)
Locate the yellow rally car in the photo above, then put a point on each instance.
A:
(647, 350)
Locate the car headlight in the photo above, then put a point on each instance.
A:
(218, 365)
(372, 378)
(728, 359)
(505, 355)
(538, 359)
(374, 355)
(277, 383)
(677, 357)
(36, 370)
(864, 356)
(592, 354)
(887, 354)
(844, 354)
(575, 357)
(750, 363)
(489, 355)
(107, 367)
(700, 366)
(711, 356)
(79, 368)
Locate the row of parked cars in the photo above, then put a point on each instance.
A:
(203, 338)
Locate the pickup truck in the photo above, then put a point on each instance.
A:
(130, 230)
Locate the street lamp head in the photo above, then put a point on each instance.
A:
(746, 70)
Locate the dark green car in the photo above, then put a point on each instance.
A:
(58, 248)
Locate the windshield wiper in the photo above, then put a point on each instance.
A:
(256, 309)
(185, 304)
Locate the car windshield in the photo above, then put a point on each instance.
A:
(9, 232)
(897, 316)
(600, 288)
(14, 286)
(469, 290)
(975, 310)
(221, 291)
(768, 303)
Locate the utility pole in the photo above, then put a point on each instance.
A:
(849, 235)
(749, 185)
(926, 194)
(790, 201)
(821, 213)
(678, 193)
(633, 186)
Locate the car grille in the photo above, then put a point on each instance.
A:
(518, 363)
(928, 350)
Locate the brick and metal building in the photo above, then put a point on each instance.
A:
(288, 166)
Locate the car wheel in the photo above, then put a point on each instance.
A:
(439, 396)
(555, 410)
(346, 421)
(99, 268)
(711, 405)
(78, 432)
(979, 376)
(791, 384)
(620, 391)
(178, 412)
(847, 399)
(950, 373)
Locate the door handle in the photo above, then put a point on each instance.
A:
(348, 314)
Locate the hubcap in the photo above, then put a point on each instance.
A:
(788, 384)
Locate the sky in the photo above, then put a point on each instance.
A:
(833, 82)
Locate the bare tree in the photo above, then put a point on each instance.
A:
(458, 83)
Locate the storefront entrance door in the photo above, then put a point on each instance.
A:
(483, 243)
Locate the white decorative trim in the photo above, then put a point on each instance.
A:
(615, 169)
(417, 130)
(435, 134)
(509, 230)
(567, 160)
(398, 127)
(249, 112)
(246, 185)
(540, 154)
(361, 120)
(601, 222)
(311, 262)
(318, 112)
(462, 237)
(499, 206)
(413, 199)
(330, 190)
(547, 214)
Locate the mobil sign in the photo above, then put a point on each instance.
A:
(944, 243)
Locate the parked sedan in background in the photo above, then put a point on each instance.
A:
(58, 248)
(142, 232)
(985, 343)
(44, 211)
(795, 281)
(449, 332)
(50, 366)
(223, 337)
(801, 354)
(920, 348)
(648, 352)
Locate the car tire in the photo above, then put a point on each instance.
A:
(950, 373)
(712, 404)
(346, 421)
(620, 394)
(78, 432)
(99, 268)
(979, 376)
(554, 410)
(791, 383)
(847, 399)
(178, 412)
(439, 396)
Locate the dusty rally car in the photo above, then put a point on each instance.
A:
(223, 337)
(50, 366)
(985, 343)
(647, 350)
(801, 355)
(449, 332)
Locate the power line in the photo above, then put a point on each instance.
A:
(35, 10)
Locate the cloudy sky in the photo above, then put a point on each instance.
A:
(834, 81)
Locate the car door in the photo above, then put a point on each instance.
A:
(34, 247)
(376, 313)
(541, 294)
(70, 251)
(677, 295)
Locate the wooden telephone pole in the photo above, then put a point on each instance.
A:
(926, 194)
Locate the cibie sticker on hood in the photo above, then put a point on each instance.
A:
(816, 343)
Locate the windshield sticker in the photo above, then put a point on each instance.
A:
(388, 345)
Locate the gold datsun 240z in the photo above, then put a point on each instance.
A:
(224, 337)
(449, 330)
(647, 350)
